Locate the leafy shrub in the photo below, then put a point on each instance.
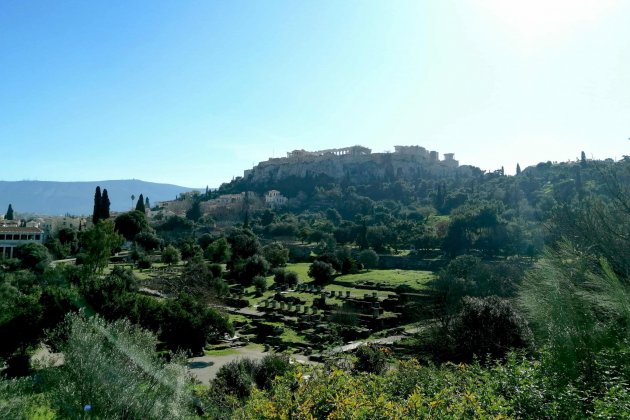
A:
(144, 262)
(260, 283)
(370, 359)
(236, 378)
(488, 328)
(282, 277)
(113, 367)
(171, 255)
(321, 272)
(270, 367)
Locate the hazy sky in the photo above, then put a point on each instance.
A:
(194, 92)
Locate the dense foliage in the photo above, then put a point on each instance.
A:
(527, 316)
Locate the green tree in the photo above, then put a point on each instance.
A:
(218, 251)
(260, 284)
(96, 213)
(33, 255)
(256, 265)
(189, 249)
(131, 223)
(487, 327)
(104, 206)
(97, 245)
(170, 255)
(244, 244)
(148, 240)
(194, 213)
(583, 159)
(140, 205)
(321, 272)
(369, 258)
(276, 254)
(68, 236)
(282, 277)
(20, 316)
(187, 324)
(9, 215)
(518, 169)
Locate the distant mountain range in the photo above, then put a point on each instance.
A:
(77, 198)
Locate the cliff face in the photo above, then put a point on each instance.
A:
(353, 168)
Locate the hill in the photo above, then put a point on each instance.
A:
(77, 198)
(303, 170)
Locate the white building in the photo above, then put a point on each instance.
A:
(12, 236)
(275, 199)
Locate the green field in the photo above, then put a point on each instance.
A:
(301, 269)
(413, 278)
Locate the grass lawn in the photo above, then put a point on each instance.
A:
(413, 278)
(289, 335)
(238, 317)
(301, 269)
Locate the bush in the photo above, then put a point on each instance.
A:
(276, 254)
(216, 270)
(260, 283)
(144, 262)
(113, 367)
(488, 328)
(33, 256)
(236, 378)
(171, 255)
(282, 277)
(321, 272)
(369, 258)
(148, 240)
(370, 359)
(270, 367)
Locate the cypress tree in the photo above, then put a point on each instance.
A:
(583, 158)
(147, 203)
(140, 205)
(96, 214)
(104, 207)
(194, 212)
(9, 215)
(518, 169)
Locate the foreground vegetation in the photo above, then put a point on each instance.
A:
(505, 329)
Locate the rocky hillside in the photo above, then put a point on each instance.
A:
(407, 163)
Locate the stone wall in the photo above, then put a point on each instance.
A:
(353, 167)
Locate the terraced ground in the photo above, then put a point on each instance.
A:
(381, 282)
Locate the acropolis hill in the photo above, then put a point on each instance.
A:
(356, 164)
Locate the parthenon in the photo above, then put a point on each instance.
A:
(353, 150)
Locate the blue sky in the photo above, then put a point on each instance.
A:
(194, 92)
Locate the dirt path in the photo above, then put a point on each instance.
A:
(205, 368)
(391, 339)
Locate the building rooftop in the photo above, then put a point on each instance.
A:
(17, 229)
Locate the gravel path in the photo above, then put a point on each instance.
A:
(385, 340)
(205, 368)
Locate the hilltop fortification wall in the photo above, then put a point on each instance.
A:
(355, 164)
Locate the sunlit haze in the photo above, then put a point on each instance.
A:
(193, 93)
